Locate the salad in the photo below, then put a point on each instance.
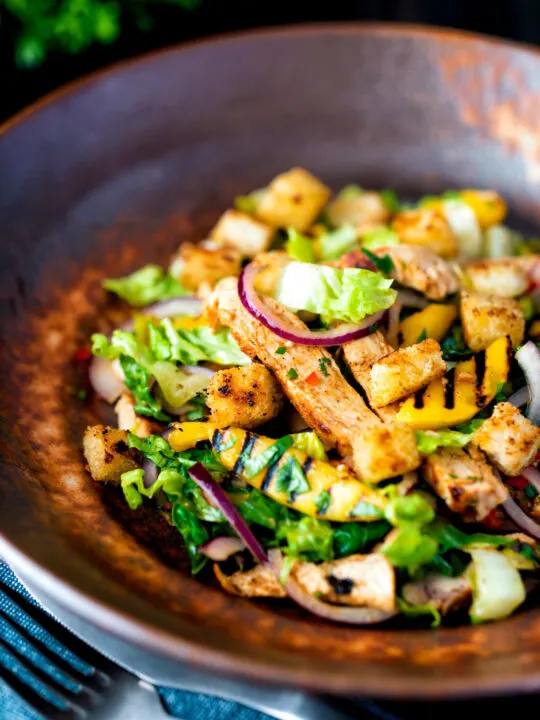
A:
(336, 400)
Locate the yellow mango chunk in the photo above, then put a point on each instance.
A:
(488, 206)
(186, 435)
(465, 390)
(436, 320)
(188, 323)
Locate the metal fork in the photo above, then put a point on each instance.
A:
(62, 677)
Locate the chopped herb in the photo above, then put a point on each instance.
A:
(232, 442)
(323, 362)
(352, 537)
(292, 374)
(384, 264)
(422, 336)
(366, 509)
(470, 426)
(291, 479)
(322, 502)
(281, 350)
(531, 492)
(82, 394)
(504, 390)
(253, 466)
(454, 346)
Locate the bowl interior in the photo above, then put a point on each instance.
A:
(120, 169)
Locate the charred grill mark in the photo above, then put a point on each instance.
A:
(217, 440)
(480, 368)
(269, 475)
(419, 399)
(307, 465)
(449, 390)
(245, 452)
(341, 586)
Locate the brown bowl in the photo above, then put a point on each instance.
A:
(114, 172)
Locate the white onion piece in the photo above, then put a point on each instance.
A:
(335, 613)
(222, 548)
(408, 298)
(533, 476)
(104, 379)
(187, 305)
(528, 358)
(198, 370)
(393, 324)
(522, 520)
(520, 398)
(151, 472)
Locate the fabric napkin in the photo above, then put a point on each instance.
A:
(180, 704)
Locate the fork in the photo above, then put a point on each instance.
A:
(60, 676)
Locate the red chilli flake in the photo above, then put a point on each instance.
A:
(494, 520)
(81, 355)
(313, 379)
(519, 483)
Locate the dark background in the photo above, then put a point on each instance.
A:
(514, 19)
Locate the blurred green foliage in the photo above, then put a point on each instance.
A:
(73, 25)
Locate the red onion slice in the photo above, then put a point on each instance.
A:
(256, 306)
(522, 520)
(104, 380)
(222, 548)
(213, 491)
(528, 358)
(520, 398)
(151, 472)
(349, 615)
(533, 476)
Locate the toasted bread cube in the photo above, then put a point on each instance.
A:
(427, 228)
(486, 318)
(244, 396)
(385, 450)
(129, 420)
(270, 266)
(365, 210)
(405, 371)
(199, 265)
(509, 440)
(293, 199)
(245, 233)
(465, 481)
(504, 277)
(107, 453)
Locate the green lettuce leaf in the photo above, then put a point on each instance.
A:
(410, 547)
(414, 611)
(429, 441)
(350, 538)
(299, 247)
(249, 203)
(381, 237)
(348, 294)
(308, 538)
(148, 285)
(335, 243)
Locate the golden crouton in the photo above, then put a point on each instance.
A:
(405, 371)
(200, 265)
(486, 318)
(362, 210)
(244, 396)
(245, 233)
(465, 481)
(270, 266)
(293, 199)
(509, 440)
(107, 453)
(505, 277)
(382, 451)
(427, 228)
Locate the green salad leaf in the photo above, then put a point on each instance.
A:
(310, 443)
(414, 611)
(299, 247)
(308, 538)
(335, 243)
(380, 237)
(148, 285)
(454, 347)
(348, 294)
(193, 346)
(409, 546)
(350, 538)
(391, 200)
(428, 441)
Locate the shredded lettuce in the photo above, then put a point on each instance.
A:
(310, 443)
(190, 347)
(299, 247)
(176, 386)
(355, 537)
(308, 538)
(348, 294)
(497, 586)
(148, 285)
(380, 237)
(428, 441)
(335, 243)
(414, 611)
(410, 546)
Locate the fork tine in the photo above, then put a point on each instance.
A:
(35, 692)
(79, 649)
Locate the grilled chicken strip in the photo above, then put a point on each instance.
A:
(359, 580)
(445, 594)
(505, 277)
(330, 406)
(414, 266)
